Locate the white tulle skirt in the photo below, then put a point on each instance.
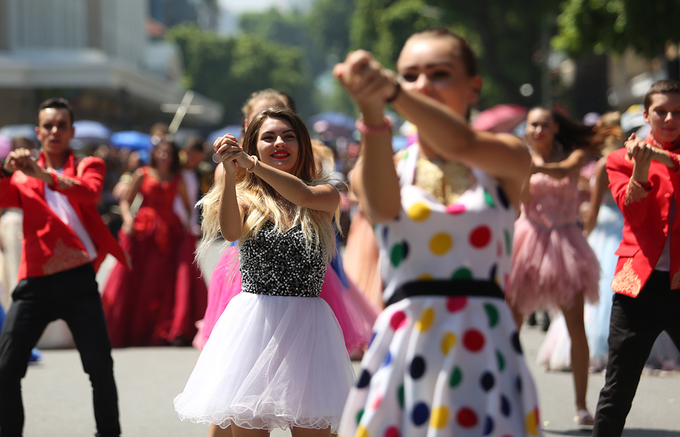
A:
(271, 362)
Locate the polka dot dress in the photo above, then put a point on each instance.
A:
(444, 366)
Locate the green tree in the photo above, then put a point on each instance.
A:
(229, 69)
(601, 26)
(505, 35)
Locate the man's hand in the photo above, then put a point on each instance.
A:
(22, 161)
(641, 154)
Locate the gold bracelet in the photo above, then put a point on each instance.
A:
(251, 169)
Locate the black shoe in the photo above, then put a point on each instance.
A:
(545, 323)
(531, 320)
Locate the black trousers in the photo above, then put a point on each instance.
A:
(635, 324)
(72, 296)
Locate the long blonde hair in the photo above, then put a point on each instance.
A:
(261, 197)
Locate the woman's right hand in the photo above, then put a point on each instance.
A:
(228, 149)
(365, 80)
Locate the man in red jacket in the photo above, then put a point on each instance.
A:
(645, 182)
(64, 242)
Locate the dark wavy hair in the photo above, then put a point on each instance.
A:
(571, 135)
(176, 165)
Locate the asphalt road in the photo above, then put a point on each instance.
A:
(57, 394)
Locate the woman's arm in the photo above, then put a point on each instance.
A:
(558, 170)
(127, 200)
(182, 191)
(596, 195)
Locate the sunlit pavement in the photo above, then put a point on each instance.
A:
(57, 394)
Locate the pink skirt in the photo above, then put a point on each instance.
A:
(550, 266)
(354, 312)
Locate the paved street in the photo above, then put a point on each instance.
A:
(58, 400)
(57, 395)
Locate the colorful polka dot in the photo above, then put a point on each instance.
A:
(370, 342)
(492, 314)
(420, 414)
(426, 320)
(505, 406)
(456, 377)
(531, 422)
(360, 414)
(440, 417)
(362, 432)
(441, 243)
(455, 304)
(508, 242)
(388, 359)
(480, 237)
(399, 253)
(473, 340)
(417, 368)
(502, 197)
(462, 273)
(426, 277)
(466, 418)
(487, 381)
(376, 403)
(456, 208)
(489, 199)
(518, 385)
(514, 340)
(488, 425)
(398, 320)
(419, 212)
(448, 341)
(500, 359)
(364, 379)
(392, 431)
(492, 273)
(400, 396)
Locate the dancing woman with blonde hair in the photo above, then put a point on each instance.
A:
(276, 357)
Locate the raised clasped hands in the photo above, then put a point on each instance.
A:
(230, 154)
(365, 80)
(639, 152)
(23, 161)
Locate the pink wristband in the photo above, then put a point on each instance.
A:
(364, 129)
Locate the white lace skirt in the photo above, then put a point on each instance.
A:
(270, 362)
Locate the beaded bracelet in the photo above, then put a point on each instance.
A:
(364, 129)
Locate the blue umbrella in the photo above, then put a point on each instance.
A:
(233, 129)
(131, 140)
(12, 131)
(88, 129)
(337, 123)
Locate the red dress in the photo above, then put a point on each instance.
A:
(139, 303)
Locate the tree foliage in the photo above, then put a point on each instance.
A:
(505, 35)
(600, 26)
(229, 69)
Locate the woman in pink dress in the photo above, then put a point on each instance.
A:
(138, 303)
(552, 264)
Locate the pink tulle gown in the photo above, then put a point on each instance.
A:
(551, 259)
(361, 259)
(353, 311)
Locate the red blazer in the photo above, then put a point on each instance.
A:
(645, 211)
(50, 246)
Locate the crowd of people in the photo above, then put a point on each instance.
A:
(453, 242)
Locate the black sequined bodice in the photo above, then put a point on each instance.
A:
(281, 264)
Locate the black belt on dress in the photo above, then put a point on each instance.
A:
(458, 287)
